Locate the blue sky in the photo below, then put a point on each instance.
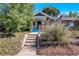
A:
(63, 7)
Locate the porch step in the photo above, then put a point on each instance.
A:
(31, 36)
(31, 40)
(30, 44)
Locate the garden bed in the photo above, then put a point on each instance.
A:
(59, 50)
(11, 45)
(75, 34)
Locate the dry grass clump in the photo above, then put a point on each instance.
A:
(55, 34)
(56, 41)
(12, 45)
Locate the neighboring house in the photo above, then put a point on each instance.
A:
(70, 21)
(42, 20)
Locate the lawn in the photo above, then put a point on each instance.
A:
(11, 45)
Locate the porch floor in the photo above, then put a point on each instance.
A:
(36, 30)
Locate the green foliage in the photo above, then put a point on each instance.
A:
(73, 14)
(51, 11)
(17, 18)
(23, 14)
(56, 33)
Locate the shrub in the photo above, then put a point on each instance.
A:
(11, 45)
(55, 34)
(74, 28)
(15, 17)
(75, 34)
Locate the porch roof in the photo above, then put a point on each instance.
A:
(42, 14)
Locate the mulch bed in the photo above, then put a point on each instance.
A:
(59, 50)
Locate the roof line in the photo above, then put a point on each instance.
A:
(46, 15)
(49, 15)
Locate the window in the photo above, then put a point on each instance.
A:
(71, 23)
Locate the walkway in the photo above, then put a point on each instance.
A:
(27, 52)
(29, 48)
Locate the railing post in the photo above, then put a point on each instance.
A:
(38, 44)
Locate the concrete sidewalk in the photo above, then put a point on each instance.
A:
(27, 51)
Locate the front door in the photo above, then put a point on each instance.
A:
(35, 26)
(38, 24)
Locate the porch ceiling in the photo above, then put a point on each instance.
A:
(38, 18)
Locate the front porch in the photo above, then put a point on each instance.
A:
(38, 26)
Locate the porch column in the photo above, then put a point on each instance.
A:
(36, 24)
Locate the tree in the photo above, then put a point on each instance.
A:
(23, 14)
(73, 14)
(17, 17)
(51, 11)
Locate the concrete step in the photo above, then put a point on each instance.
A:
(31, 37)
(29, 41)
(33, 34)
(30, 44)
(33, 46)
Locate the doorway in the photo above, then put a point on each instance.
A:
(38, 24)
